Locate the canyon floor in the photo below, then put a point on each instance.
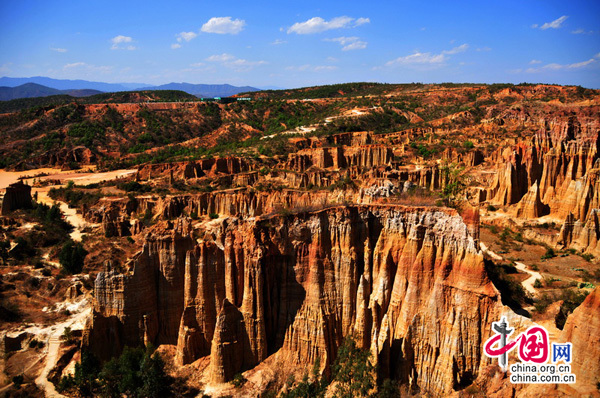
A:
(253, 243)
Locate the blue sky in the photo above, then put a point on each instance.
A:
(302, 43)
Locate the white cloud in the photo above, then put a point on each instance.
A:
(554, 24)
(349, 43)
(120, 43)
(326, 68)
(460, 49)
(534, 62)
(278, 42)
(311, 68)
(581, 31)
(232, 62)
(175, 46)
(223, 25)
(318, 25)
(555, 66)
(186, 36)
(59, 50)
(74, 65)
(419, 58)
(484, 49)
(220, 58)
(362, 21)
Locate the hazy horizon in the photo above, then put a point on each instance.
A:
(261, 44)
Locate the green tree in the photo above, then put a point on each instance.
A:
(455, 183)
(353, 371)
(86, 373)
(72, 256)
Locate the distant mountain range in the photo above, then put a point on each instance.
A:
(39, 86)
(29, 90)
(60, 84)
(204, 90)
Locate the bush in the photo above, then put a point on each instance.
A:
(67, 336)
(238, 380)
(353, 371)
(468, 144)
(571, 300)
(136, 373)
(214, 215)
(537, 284)
(18, 380)
(543, 302)
(72, 256)
(549, 254)
(511, 291)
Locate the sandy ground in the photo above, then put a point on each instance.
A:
(53, 341)
(84, 177)
(81, 177)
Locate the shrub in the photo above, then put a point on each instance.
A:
(136, 373)
(537, 284)
(543, 302)
(468, 144)
(549, 254)
(214, 215)
(68, 336)
(353, 371)
(18, 380)
(72, 256)
(571, 300)
(238, 380)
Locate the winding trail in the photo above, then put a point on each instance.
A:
(76, 322)
(527, 283)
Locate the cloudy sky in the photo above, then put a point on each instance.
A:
(300, 43)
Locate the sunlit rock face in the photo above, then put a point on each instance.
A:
(408, 283)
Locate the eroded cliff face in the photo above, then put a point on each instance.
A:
(406, 283)
(581, 329)
(555, 172)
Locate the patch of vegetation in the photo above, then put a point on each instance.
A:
(331, 91)
(238, 380)
(72, 256)
(134, 186)
(138, 372)
(571, 300)
(549, 254)
(511, 291)
(75, 197)
(10, 311)
(353, 371)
